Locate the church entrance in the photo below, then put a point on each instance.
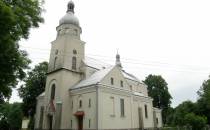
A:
(80, 115)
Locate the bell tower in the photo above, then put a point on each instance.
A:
(64, 70)
(67, 50)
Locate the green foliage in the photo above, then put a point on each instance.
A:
(195, 114)
(33, 87)
(10, 116)
(16, 19)
(170, 116)
(181, 111)
(158, 90)
(204, 99)
(197, 122)
(31, 123)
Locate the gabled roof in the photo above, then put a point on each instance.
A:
(93, 63)
(94, 78)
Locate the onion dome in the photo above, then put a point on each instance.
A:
(69, 18)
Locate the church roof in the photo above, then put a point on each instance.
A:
(102, 70)
(93, 63)
(94, 78)
(96, 64)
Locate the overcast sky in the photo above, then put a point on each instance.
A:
(164, 37)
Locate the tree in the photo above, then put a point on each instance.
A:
(204, 99)
(10, 116)
(16, 19)
(197, 122)
(158, 90)
(33, 87)
(181, 111)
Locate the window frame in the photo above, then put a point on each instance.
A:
(146, 111)
(74, 63)
(121, 84)
(112, 80)
(52, 94)
(89, 121)
(122, 107)
(89, 102)
(80, 103)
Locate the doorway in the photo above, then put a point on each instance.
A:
(80, 115)
(50, 122)
(80, 122)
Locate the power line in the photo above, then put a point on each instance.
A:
(151, 64)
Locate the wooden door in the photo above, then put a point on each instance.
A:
(80, 122)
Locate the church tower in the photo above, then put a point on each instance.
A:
(67, 50)
(64, 70)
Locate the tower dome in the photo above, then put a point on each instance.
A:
(117, 62)
(69, 18)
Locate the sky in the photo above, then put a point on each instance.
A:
(162, 37)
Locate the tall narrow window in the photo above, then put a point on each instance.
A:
(89, 105)
(112, 81)
(113, 107)
(145, 108)
(89, 123)
(80, 103)
(131, 87)
(122, 107)
(55, 62)
(74, 62)
(52, 92)
(121, 83)
(157, 120)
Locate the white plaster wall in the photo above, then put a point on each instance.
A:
(159, 116)
(139, 102)
(109, 121)
(63, 80)
(90, 112)
(116, 74)
(40, 102)
(69, 79)
(148, 122)
(65, 46)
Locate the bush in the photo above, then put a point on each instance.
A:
(197, 122)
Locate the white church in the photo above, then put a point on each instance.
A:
(82, 93)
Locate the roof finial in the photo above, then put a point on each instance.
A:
(70, 7)
(118, 63)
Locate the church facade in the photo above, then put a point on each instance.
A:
(84, 93)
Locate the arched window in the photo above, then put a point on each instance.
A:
(52, 96)
(112, 81)
(80, 103)
(55, 62)
(74, 62)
